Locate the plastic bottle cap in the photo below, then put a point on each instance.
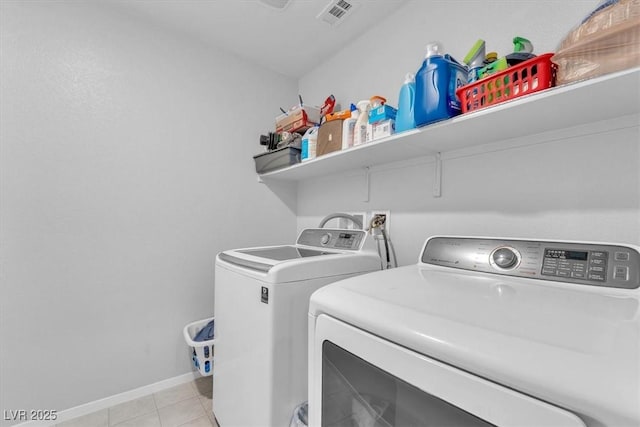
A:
(409, 78)
(433, 49)
(377, 100)
(491, 56)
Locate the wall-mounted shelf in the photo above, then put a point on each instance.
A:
(598, 99)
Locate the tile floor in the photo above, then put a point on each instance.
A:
(186, 405)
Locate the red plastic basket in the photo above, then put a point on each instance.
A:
(527, 77)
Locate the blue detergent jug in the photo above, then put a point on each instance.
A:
(405, 119)
(436, 84)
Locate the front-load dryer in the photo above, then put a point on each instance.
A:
(482, 332)
(261, 305)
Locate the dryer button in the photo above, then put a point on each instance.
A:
(621, 272)
(621, 256)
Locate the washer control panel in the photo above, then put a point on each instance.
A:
(614, 266)
(332, 238)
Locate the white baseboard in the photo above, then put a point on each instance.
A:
(116, 399)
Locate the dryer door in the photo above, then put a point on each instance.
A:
(360, 379)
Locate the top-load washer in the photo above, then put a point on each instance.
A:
(261, 305)
(482, 332)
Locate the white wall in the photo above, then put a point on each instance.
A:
(126, 165)
(575, 184)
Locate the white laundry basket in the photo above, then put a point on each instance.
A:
(202, 354)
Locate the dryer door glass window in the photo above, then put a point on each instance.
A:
(356, 393)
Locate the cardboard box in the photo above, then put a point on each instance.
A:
(384, 112)
(298, 119)
(338, 115)
(329, 137)
(383, 129)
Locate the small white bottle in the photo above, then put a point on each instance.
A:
(360, 132)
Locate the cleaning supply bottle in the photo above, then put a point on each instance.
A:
(475, 59)
(404, 117)
(309, 143)
(436, 83)
(492, 65)
(348, 128)
(522, 51)
(360, 131)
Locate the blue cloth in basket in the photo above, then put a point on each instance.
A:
(206, 333)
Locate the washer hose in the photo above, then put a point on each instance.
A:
(351, 218)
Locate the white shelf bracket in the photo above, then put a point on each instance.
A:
(437, 181)
(367, 185)
(260, 180)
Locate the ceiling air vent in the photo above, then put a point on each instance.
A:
(336, 11)
(276, 4)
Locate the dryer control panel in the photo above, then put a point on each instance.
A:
(332, 238)
(615, 266)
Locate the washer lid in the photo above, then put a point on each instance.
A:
(349, 252)
(282, 253)
(263, 259)
(284, 264)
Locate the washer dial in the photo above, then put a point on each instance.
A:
(326, 238)
(504, 258)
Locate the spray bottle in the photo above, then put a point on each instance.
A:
(522, 51)
(360, 132)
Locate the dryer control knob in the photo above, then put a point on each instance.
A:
(505, 258)
(325, 239)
